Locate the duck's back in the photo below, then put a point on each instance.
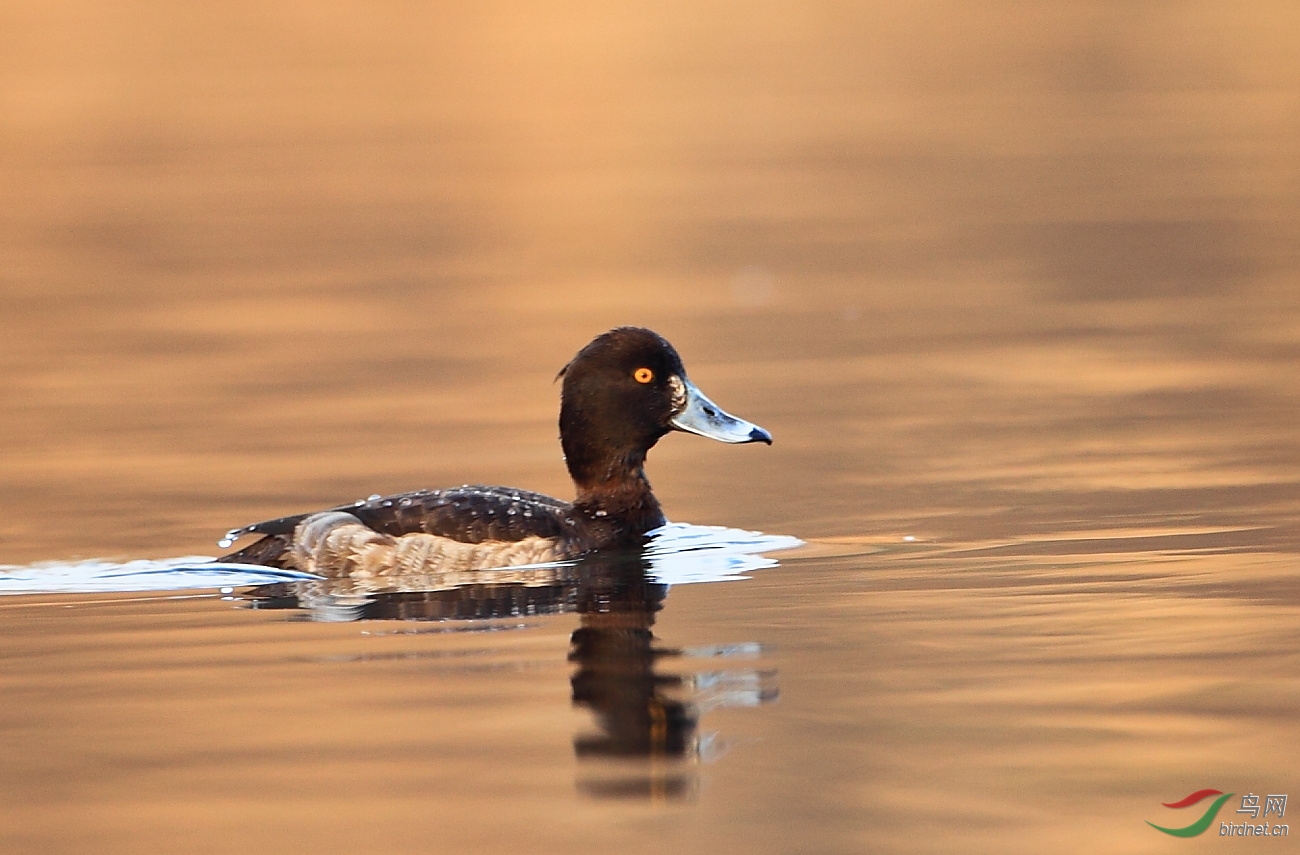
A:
(470, 514)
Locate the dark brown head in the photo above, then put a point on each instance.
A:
(621, 393)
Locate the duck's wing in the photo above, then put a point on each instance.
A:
(470, 514)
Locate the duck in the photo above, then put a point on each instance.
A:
(622, 393)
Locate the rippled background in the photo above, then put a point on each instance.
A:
(1016, 280)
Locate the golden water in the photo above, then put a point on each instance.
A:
(1016, 281)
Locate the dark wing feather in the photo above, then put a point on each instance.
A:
(470, 514)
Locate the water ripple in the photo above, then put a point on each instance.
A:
(677, 554)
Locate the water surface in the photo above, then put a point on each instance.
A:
(1014, 288)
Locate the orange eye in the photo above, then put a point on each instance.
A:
(643, 375)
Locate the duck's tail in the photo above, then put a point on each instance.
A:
(270, 551)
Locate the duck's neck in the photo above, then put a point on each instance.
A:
(620, 490)
(606, 459)
(614, 496)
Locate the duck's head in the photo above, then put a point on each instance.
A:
(624, 391)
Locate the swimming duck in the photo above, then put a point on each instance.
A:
(621, 393)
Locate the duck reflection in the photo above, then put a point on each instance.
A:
(614, 649)
(640, 711)
(646, 742)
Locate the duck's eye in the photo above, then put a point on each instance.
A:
(643, 375)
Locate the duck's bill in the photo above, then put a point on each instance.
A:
(702, 416)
